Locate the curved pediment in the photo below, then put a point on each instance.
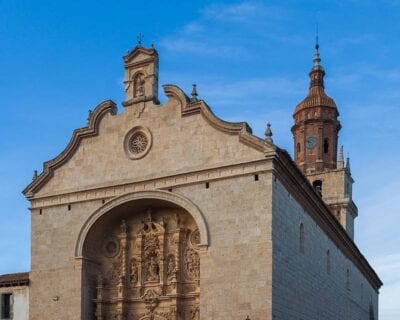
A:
(87, 165)
(139, 55)
(242, 129)
(92, 129)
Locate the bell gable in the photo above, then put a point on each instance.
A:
(147, 141)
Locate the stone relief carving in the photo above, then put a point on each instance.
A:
(139, 85)
(171, 268)
(134, 272)
(137, 142)
(111, 247)
(156, 274)
(112, 275)
(195, 238)
(152, 270)
(192, 263)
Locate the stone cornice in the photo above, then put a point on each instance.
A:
(186, 178)
(152, 53)
(303, 123)
(92, 129)
(299, 186)
(242, 129)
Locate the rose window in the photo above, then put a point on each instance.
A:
(138, 143)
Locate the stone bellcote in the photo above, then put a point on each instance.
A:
(316, 125)
(141, 76)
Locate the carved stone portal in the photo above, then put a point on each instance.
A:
(155, 274)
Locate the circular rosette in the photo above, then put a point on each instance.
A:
(137, 142)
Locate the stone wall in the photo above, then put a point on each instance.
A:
(19, 301)
(310, 285)
(238, 215)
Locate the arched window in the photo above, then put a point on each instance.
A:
(298, 149)
(301, 238)
(362, 291)
(371, 312)
(317, 184)
(328, 262)
(326, 145)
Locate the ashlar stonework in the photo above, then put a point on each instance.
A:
(166, 212)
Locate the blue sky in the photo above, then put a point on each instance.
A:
(250, 60)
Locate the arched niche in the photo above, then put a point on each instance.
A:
(141, 258)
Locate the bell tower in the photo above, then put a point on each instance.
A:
(315, 132)
(316, 125)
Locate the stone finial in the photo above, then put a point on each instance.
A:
(35, 175)
(348, 163)
(89, 116)
(194, 94)
(268, 134)
(340, 163)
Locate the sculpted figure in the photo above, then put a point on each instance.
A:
(134, 272)
(152, 270)
(139, 85)
(171, 267)
(192, 263)
(123, 226)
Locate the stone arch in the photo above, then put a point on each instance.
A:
(173, 198)
(140, 256)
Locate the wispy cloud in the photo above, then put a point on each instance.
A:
(220, 29)
(247, 12)
(201, 47)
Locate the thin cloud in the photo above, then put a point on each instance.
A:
(217, 20)
(187, 46)
(241, 12)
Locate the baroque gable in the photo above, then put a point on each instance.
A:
(147, 141)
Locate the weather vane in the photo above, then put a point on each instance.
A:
(140, 38)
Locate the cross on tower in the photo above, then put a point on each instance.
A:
(140, 38)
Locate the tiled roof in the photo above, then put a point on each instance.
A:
(14, 279)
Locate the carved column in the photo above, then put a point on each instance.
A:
(122, 280)
(99, 298)
(161, 257)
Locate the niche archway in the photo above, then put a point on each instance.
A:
(141, 256)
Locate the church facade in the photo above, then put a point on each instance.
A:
(165, 211)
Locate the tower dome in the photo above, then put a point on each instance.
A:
(316, 125)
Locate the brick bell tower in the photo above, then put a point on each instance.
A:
(316, 125)
(315, 131)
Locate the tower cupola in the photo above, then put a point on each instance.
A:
(316, 125)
